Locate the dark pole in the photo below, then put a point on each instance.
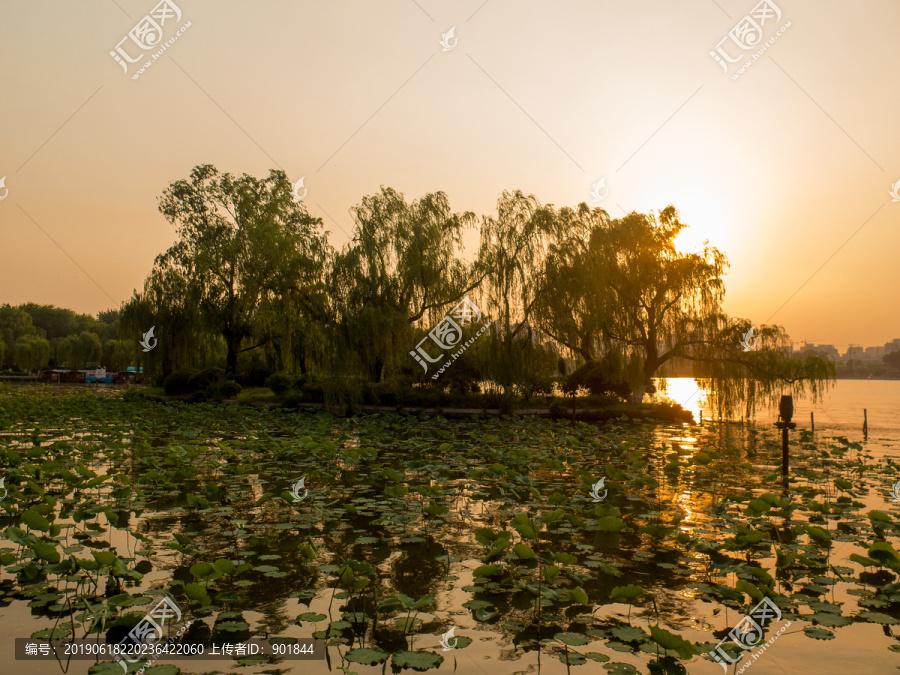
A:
(865, 423)
(784, 451)
(812, 421)
(785, 413)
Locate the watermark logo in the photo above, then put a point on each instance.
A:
(449, 40)
(4, 188)
(895, 191)
(749, 632)
(149, 629)
(750, 343)
(295, 490)
(6, 492)
(297, 197)
(148, 34)
(596, 190)
(448, 334)
(595, 490)
(145, 343)
(747, 35)
(895, 492)
(446, 640)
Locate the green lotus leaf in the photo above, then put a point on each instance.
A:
(524, 551)
(573, 639)
(628, 633)
(829, 619)
(416, 660)
(817, 633)
(366, 657)
(578, 596)
(629, 592)
(35, 520)
(878, 617)
(46, 551)
(312, 617)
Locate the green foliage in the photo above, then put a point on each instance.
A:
(629, 592)
(600, 377)
(279, 383)
(179, 382)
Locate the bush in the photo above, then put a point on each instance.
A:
(206, 379)
(253, 374)
(313, 392)
(292, 399)
(279, 383)
(507, 404)
(230, 389)
(598, 378)
(463, 378)
(535, 385)
(602, 400)
(558, 408)
(178, 382)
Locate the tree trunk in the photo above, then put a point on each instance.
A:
(231, 360)
(637, 396)
(378, 369)
(650, 367)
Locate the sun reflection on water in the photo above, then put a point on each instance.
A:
(684, 391)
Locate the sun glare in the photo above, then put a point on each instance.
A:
(706, 221)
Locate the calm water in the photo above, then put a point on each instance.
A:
(840, 410)
(349, 517)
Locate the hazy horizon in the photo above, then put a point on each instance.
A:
(786, 169)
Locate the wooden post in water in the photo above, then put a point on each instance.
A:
(865, 424)
(786, 412)
(812, 421)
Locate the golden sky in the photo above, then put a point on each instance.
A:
(787, 168)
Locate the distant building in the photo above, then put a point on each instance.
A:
(855, 352)
(825, 350)
(892, 346)
(874, 353)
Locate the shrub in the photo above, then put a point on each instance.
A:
(255, 373)
(602, 400)
(292, 399)
(206, 379)
(558, 408)
(313, 392)
(598, 378)
(463, 377)
(279, 383)
(230, 389)
(179, 382)
(507, 404)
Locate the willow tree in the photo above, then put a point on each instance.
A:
(240, 241)
(632, 292)
(31, 352)
(573, 309)
(403, 265)
(169, 303)
(738, 375)
(513, 249)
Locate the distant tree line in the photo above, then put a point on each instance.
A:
(34, 336)
(888, 367)
(252, 284)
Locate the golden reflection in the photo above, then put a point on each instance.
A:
(684, 391)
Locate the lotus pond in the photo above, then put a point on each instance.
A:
(412, 526)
